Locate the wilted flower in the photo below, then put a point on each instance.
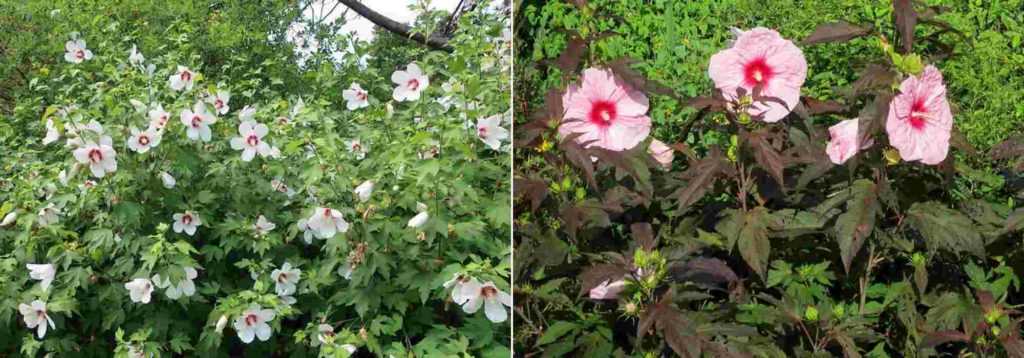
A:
(49, 214)
(357, 97)
(364, 190)
(100, 157)
(920, 121)
(326, 222)
(280, 186)
(135, 57)
(197, 122)
(307, 234)
(250, 140)
(285, 279)
(139, 290)
(42, 272)
(761, 58)
(9, 219)
(489, 131)
(662, 153)
(409, 83)
(52, 135)
(76, 51)
(141, 141)
(221, 323)
(253, 323)
(263, 226)
(184, 287)
(421, 217)
(608, 290)
(220, 101)
(605, 111)
(168, 180)
(181, 79)
(845, 141)
(490, 297)
(35, 316)
(187, 222)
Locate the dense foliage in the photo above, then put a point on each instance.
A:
(818, 195)
(205, 178)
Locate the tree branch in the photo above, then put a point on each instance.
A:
(434, 42)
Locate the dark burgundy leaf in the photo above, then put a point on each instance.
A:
(858, 222)
(874, 76)
(531, 190)
(815, 106)
(623, 68)
(586, 214)
(840, 31)
(1015, 221)
(959, 141)
(706, 272)
(644, 236)
(906, 20)
(1011, 148)
(936, 338)
(633, 161)
(709, 103)
(699, 178)
(542, 121)
(766, 155)
(617, 197)
(571, 57)
(578, 156)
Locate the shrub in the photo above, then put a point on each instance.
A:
(782, 218)
(214, 197)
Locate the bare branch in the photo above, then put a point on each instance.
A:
(432, 41)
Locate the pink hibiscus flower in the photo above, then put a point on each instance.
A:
(920, 120)
(761, 57)
(606, 111)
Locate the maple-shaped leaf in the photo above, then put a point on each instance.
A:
(578, 155)
(872, 77)
(854, 226)
(945, 228)
(939, 337)
(750, 232)
(765, 153)
(571, 57)
(1011, 149)
(633, 162)
(543, 120)
(700, 177)
(531, 190)
(623, 68)
(815, 106)
(588, 213)
(840, 31)
(705, 272)
(906, 20)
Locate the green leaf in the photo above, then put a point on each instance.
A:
(556, 331)
(945, 228)
(855, 225)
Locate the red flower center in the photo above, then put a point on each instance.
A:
(356, 147)
(918, 114)
(282, 277)
(413, 84)
(757, 72)
(186, 76)
(482, 132)
(488, 291)
(327, 212)
(196, 121)
(143, 140)
(362, 95)
(218, 103)
(95, 155)
(603, 112)
(253, 140)
(187, 219)
(80, 54)
(251, 319)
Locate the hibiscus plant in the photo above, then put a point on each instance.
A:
(774, 223)
(207, 180)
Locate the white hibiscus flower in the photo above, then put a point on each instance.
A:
(357, 148)
(49, 214)
(356, 97)
(250, 140)
(409, 83)
(247, 113)
(9, 219)
(142, 141)
(197, 122)
(100, 157)
(139, 290)
(52, 135)
(76, 51)
(487, 295)
(158, 117)
(42, 272)
(421, 218)
(326, 222)
(220, 101)
(186, 286)
(182, 79)
(307, 234)
(263, 226)
(489, 131)
(253, 323)
(35, 316)
(187, 222)
(285, 279)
